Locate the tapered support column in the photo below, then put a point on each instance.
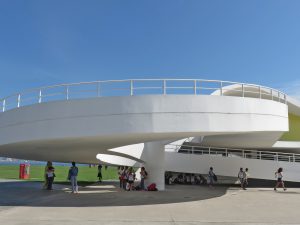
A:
(154, 157)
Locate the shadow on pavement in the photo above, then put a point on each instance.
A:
(20, 193)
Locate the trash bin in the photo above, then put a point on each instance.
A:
(24, 171)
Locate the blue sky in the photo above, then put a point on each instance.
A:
(51, 42)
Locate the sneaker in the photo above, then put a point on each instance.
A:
(284, 189)
(275, 189)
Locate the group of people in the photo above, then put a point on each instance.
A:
(184, 178)
(50, 175)
(127, 177)
(243, 176)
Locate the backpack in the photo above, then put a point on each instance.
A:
(215, 177)
(73, 171)
(152, 187)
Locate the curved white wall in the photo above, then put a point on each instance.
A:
(229, 166)
(80, 129)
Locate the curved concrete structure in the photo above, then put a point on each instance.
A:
(74, 129)
(82, 128)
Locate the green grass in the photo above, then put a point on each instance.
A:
(86, 174)
(294, 129)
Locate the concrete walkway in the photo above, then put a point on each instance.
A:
(26, 203)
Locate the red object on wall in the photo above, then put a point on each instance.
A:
(24, 171)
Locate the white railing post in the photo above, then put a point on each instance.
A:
(19, 99)
(226, 152)
(260, 155)
(293, 157)
(192, 149)
(272, 94)
(131, 87)
(98, 89)
(164, 87)
(285, 101)
(3, 105)
(67, 92)
(196, 86)
(209, 150)
(243, 91)
(40, 96)
(199, 87)
(221, 88)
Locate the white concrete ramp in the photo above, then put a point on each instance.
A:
(229, 166)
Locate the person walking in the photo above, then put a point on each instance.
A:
(72, 176)
(211, 176)
(241, 177)
(99, 173)
(279, 176)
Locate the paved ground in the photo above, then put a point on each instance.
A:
(24, 203)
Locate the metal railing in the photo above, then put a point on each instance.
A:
(138, 87)
(230, 152)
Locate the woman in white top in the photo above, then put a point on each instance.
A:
(279, 176)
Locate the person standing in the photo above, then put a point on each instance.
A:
(99, 173)
(144, 175)
(241, 177)
(120, 175)
(50, 177)
(131, 178)
(211, 176)
(72, 176)
(279, 176)
(125, 177)
(49, 164)
(246, 178)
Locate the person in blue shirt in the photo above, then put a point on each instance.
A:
(72, 176)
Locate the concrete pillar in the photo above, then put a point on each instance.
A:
(154, 157)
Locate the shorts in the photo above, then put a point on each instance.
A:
(279, 179)
(130, 181)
